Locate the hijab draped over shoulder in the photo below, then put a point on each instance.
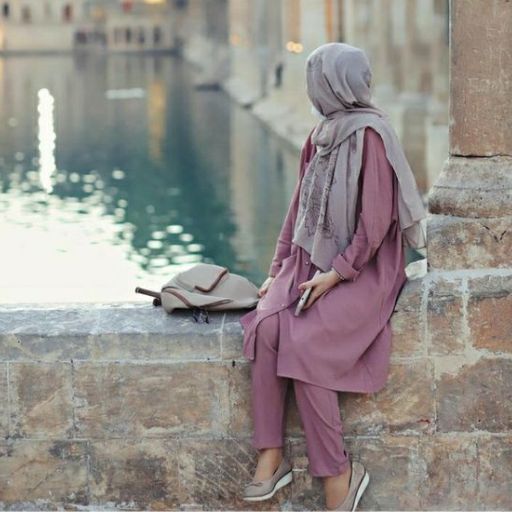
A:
(338, 78)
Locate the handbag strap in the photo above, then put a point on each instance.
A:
(176, 293)
(214, 283)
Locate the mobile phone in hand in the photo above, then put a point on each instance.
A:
(304, 297)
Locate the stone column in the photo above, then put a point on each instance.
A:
(470, 225)
(467, 291)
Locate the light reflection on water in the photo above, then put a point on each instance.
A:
(102, 191)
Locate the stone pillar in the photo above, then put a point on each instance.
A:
(470, 204)
(467, 291)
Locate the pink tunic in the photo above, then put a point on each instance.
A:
(343, 340)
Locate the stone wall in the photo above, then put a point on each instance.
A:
(124, 406)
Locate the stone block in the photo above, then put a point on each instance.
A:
(466, 243)
(406, 321)
(445, 317)
(494, 472)
(490, 312)
(451, 473)
(106, 333)
(396, 471)
(43, 474)
(135, 474)
(404, 405)
(213, 471)
(475, 396)
(154, 335)
(150, 400)
(48, 340)
(41, 400)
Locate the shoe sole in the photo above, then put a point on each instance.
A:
(362, 487)
(284, 480)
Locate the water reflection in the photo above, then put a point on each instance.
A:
(46, 136)
(100, 192)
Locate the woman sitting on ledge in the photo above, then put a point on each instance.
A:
(356, 204)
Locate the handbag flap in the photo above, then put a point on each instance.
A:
(203, 277)
(190, 299)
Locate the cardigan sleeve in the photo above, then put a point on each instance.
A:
(284, 241)
(375, 207)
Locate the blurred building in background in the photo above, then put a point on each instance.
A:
(256, 50)
(67, 25)
(37, 25)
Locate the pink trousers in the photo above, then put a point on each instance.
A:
(318, 408)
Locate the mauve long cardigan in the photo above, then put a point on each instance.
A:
(342, 341)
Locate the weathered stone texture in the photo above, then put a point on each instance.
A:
(445, 321)
(150, 400)
(406, 321)
(477, 188)
(213, 472)
(406, 403)
(450, 464)
(494, 472)
(41, 400)
(481, 77)
(43, 472)
(113, 333)
(476, 397)
(465, 243)
(490, 313)
(135, 473)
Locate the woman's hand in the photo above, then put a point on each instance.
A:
(320, 284)
(264, 287)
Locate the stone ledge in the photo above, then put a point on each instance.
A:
(109, 332)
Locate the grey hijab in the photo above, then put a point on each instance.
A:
(338, 78)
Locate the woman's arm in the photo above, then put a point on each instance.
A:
(284, 241)
(375, 203)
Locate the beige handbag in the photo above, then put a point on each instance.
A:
(205, 287)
